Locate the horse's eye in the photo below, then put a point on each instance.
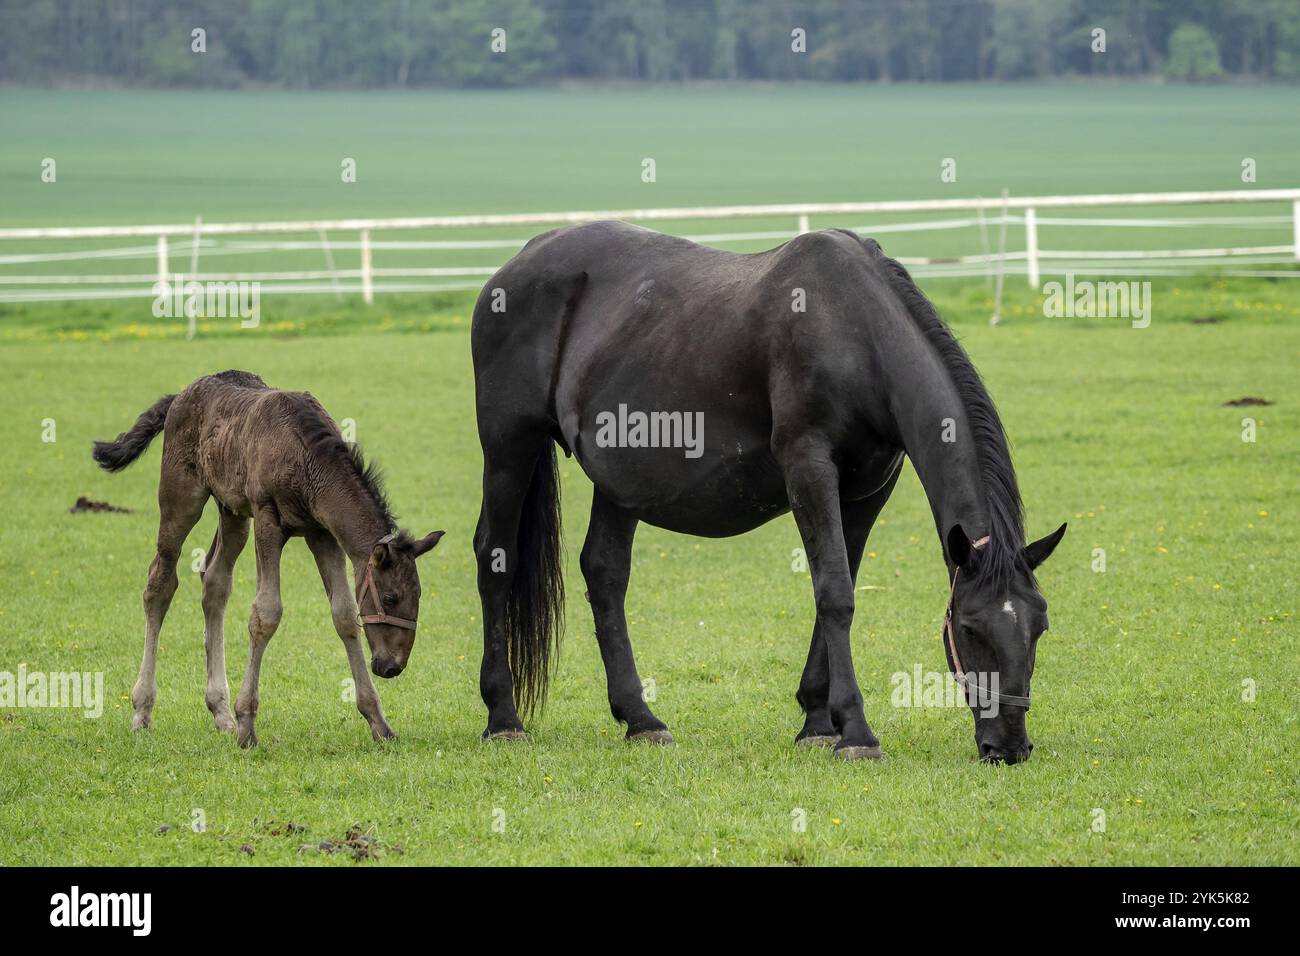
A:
(390, 599)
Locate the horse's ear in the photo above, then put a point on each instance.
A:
(959, 548)
(1039, 551)
(380, 556)
(427, 543)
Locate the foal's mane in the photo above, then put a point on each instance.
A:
(321, 438)
(1003, 557)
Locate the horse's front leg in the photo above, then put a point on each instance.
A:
(812, 480)
(606, 565)
(857, 519)
(268, 542)
(332, 564)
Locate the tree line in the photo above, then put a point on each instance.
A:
(417, 43)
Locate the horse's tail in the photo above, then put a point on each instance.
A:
(130, 445)
(534, 615)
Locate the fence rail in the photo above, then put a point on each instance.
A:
(207, 239)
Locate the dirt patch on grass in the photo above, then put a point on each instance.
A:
(361, 844)
(1247, 401)
(87, 504)
(289, 828)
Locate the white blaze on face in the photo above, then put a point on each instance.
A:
(1008, 609)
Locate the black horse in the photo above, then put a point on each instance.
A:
(708, 392)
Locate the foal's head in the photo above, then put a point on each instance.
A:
(992, 632)
(388, 600)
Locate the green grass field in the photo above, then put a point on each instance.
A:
(1139, 707)
(167, 157)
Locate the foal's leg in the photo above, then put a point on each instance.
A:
(857, 519)
(181, 497)
(607, 564)
(268, 542)
(218, 575)
(507, 471)
(812, 480)
(333, 568)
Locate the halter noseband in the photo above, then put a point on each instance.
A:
(369, 585)
(972, 685)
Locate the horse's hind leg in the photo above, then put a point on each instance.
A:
(332, 564)
(508, 466)
(268, 541)
(857, 519)
(812, 480)
(218, 574)
(607, 565)
(181, 497)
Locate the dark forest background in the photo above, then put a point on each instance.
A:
(416, 43)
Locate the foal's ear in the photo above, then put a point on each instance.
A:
(380, 556)
(959, 547)
(1039, 551)
(426, 543)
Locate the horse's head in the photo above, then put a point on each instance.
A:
(388, 600)
(991, 636)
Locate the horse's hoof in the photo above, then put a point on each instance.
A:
(817, 740)
(141, 723)
(383, 735)
(518, 735)
(859, 753)
(248, 739)
(652, 737)
(226, 725)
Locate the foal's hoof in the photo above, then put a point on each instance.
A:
(662, 737)
(518, 735)
(859, 753)
(383, 734)
(225, 724)
(141, 722)
(248, 739)
(817, 740)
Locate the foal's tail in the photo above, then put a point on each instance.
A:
(130, 445)
(535, 609)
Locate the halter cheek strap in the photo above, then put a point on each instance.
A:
(967, 681)
(368, 586)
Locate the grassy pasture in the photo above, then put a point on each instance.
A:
(1120, 431)
(1139, 708)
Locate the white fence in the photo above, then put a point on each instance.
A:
(192, 242)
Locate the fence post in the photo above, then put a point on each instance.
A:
(329, 264)
(367, 283)
(164, 286)
(804, 227)
(996, 317)
(1031, 245)
(1295, 222)
(191, 315)
(194, 247)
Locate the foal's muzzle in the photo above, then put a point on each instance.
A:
(383, 667)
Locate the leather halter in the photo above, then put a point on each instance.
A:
(972, 685)
(369, 585)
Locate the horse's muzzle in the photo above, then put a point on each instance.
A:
(1007, 755)
(382, 667)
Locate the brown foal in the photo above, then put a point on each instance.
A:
(275, 458)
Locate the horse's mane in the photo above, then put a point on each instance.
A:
(324, 444)
(1003, 557)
